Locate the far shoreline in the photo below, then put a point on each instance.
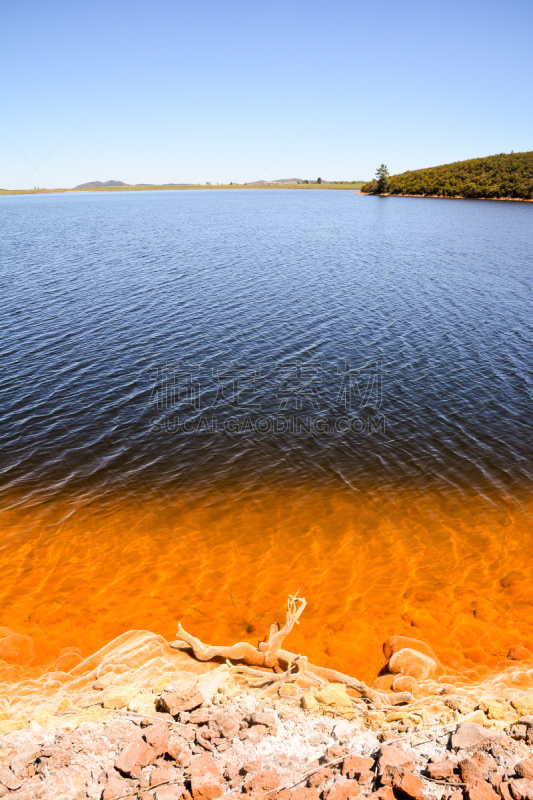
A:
(187, 187)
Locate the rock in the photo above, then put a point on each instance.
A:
(521, 789)
(67, 661)
(470, 735)
(304, 793)
(524, 768)
(319, 777)
(157, 736)
(408, 784)
(384, 793)
(458, 703)
(181, 697)
(134, 756)
(523, 704)
(26, 755)
(518, 731)
(343, 731)
(16, 648)
(9, 779)
(366, 778)
(167, 793)
(335, 752)
(493, 709)
(334, 695)
(440, 770)
(262, 718)
(288, 690)
(470, 771)
(354, 766)
(206, 778)
(161, 774)
(397, 643)
(115, 787)
(263, 781)
(413, 663)
(227, 724)
(119, 696)
(481, 791)
(342, 790)
(309, 702)
(394, 756)
(404, 683)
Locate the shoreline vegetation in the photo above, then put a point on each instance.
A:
(346, 185)
(507, 176)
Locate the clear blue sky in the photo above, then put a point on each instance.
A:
(229, 90)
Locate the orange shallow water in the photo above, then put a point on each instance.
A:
(455, 571)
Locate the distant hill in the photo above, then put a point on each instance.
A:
(276, 183)
(503, 175)
(100, 185)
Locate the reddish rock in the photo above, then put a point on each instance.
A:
(262, 718)
(181, 697)
(366, 778)
(161, 774)
(206, 778)
(481, 791)
(24, 757)
(440, 770)
(353, 766)
(471, 771)
(524, 768)
(521, 789)
(503, 791)
(257, 731)
(319, 777)
(227, 725)
(184, 759)
(384, 793)
(342, 790)
(304, 794)
(470, 735)
(175, 747)
(16, 648)
(136, 755)
(388, 776)
(9, 779)
(334, 752)
(157, 736)
(167, 793)
(114, 787)
(252, 766)
(394, 756)
(263, 781)
(408, 784)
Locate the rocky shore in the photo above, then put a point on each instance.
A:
(143, 718)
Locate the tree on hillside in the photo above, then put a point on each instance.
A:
(382, 177)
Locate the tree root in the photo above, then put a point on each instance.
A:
(270, 655)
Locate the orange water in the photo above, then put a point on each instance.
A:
(455, 571)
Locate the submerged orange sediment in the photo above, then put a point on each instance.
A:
(454, 572)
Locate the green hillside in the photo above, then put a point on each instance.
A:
(504, 175)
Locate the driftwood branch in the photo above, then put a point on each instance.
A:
(270, 655)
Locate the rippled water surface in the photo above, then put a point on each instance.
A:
(214, 398)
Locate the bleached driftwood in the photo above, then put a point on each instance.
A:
(271, 655)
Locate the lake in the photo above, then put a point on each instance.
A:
(213, 398)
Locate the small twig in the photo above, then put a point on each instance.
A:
(443, 783)
(137, 792)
